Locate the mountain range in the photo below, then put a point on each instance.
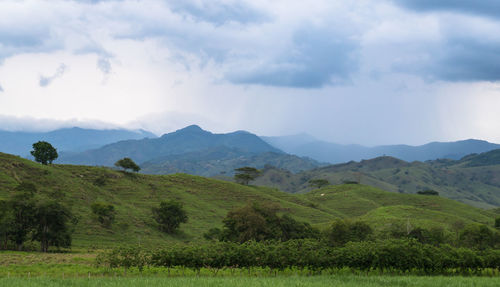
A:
(306, 145)
(67, 139)
(196, 151)
(192, 150)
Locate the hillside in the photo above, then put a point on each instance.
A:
(66, 140)
(208, 200)
(223, 160)
(305, 145)
(474, 180)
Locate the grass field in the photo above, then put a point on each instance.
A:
(341, 281)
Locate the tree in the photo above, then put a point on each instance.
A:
(6, 219)
(343, 231)
(105, 213)
(52, 225)
(428, 192)
(23, 210)
(44, 152)
(478, 236)
(127, 163)
(245, 174)
(261, 222)
(318, 183)
(169, 215)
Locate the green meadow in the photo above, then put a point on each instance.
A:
(340, 281)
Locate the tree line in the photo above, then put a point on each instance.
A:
(394, 255)
(255, 235)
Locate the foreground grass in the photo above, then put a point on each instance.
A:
(341, 281)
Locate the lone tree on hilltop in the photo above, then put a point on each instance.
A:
(169, 215)
(44, 152)
(127, 163)
(246, 174)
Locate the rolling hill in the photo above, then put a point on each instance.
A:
(208, 200)
(66, 140)
(305, 145)
(474, 179)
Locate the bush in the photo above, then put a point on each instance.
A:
(105, 213)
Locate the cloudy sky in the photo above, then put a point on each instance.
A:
(367, 72)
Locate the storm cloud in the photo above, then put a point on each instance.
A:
(316, 58)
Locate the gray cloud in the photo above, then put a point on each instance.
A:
(45, 81)
(457, 59)
(16, 40)
(218, 12)
(489, 8)
(468, 60)
(318, 57)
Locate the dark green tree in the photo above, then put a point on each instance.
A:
(169, 215)
(428, 192)
(249, 222)
(105, 213)
(127, 163)
(343, 231)
(318, 183)
(244, 175)
(6, 219)
(44, 152)
(52, 225)
(478, 237)
(23, 210)
(261, 222)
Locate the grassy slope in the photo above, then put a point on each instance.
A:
(477, 186)
(207, 201)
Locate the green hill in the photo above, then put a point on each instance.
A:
(208, 200)
(474, 180)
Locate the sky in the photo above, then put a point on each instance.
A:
(364, 72)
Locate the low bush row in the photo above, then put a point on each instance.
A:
(400, 255)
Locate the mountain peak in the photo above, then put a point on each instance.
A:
(191, 128)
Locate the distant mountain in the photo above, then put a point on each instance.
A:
(66, 140)
(474, 179)
(304, 145)
(193, 150)
(290, 142)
